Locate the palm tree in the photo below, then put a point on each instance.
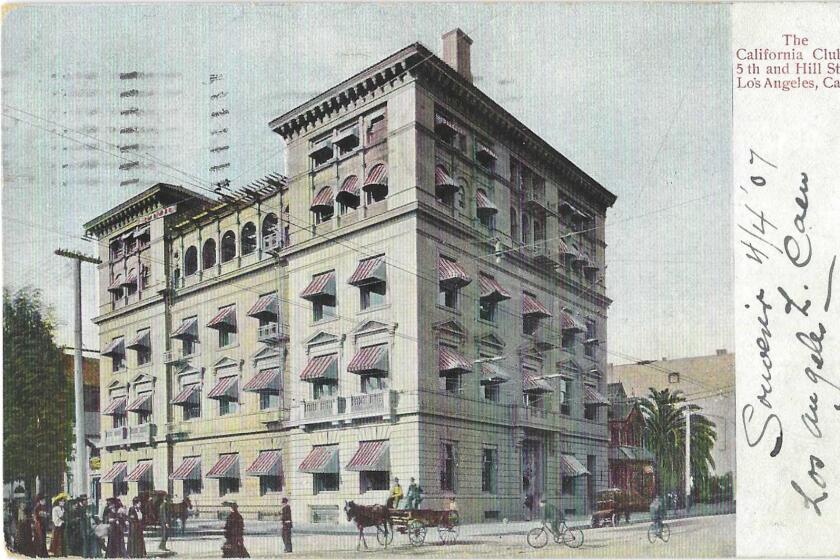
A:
(664, 431)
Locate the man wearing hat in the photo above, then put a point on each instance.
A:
(234, 546)
(286, 522)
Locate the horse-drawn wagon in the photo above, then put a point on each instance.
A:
(416, 522)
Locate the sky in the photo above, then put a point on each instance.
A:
(637, 95)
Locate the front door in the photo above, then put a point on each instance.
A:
(532, 476)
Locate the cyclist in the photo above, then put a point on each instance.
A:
(552, 515)
(656, 514)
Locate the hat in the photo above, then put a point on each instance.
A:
(285, 499)
(60, 496)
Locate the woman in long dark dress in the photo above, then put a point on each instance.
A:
(24, 542)
(41, 523)
(116, 516)
(136, 543)
(234, 546)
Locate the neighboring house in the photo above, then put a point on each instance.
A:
(707, 381)
(319, 335)
(90, 376)
(631, 464)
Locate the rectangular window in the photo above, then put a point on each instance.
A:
(189, 347)
(322, 310)
(568, 485)
(447, 467)
(487, 309)
(192, 411)
(372, 295)
(324, 390)
(348, 140)
(590, 412)
(228, 486)
(564, 396)
(451, 384)
(491, 392)
(226, 338)
(373, 480)
(227, 406)
(489, 467)
(269, 401)
(120, 420)
(534, 400)
(530, 324)
(448, 296)
(591, 335)
(192, 486)
(325, 482)
(117, 362)
(374, 383)
(568, 342)
(377, 128)
(121, 488)
(144, 417)
(270, 485)
(145, 485)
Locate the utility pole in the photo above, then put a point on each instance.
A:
(80, 466)
(687, 455)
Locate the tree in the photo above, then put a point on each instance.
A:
(664, 413)
(37, 396)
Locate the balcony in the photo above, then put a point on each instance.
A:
(272, 242)
(172, 357)
(543, 251)
(536, 417)
(320, 411)
(130, 435)
(535, 199)
(366, 405)
(272, 333)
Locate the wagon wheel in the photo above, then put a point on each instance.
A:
(416, 532)
(448, 532)
(384, 535)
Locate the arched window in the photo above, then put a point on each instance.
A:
(228, 246)
(208, 254)
(248, 241)
(190, 261)
(269, 231)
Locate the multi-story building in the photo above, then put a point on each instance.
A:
(422, 297)
(631, 463)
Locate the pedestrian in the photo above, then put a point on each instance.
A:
(41, 522)
(116, 519)
(453, 505)
(10, 523)
(72, 528)
(286, 521)
(57, 544)
(414, 495)
(234, 546)
(393, 501)
(136, 543)
(24, 542)
(87, 536)
(164, 511)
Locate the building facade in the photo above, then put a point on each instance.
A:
(421, 297)
(631, 464)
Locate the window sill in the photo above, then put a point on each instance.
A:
(487, 322)
(320, 322)
(229, 346)
(450, 309)
(373, 309)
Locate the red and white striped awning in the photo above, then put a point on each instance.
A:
(323, 200)
(225, 388)
(116, 284)
(116, 407)
(377, 177)
(267, 380)
(116, 473)
(320, 367)
(570, 466)
(225, 319)
(268, 463)
(130, 278)
(142, 403)
(534, 384)
(491, 289)
(143, 471)
(372, 359)
(450, 272)
(188, 329)
(442, 121)
(349, 191)
(371, 456)
(190, 469)
(451, 361)
(592, 396)
(143, 339)
(369, 271)
(532, 306)
(485, 150)
(444, 184)
(484, 206)
(116, 347)
(569, 323)
(322, 459)
(226, 467)
(322, 285)
(266, 308)
(492, 375)
(188, 395)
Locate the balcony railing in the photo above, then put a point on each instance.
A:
(130, 435)
(364, 405)
(537, 417)
(272, 332)
(321, 411)
(172, 357)
(543, 251)
(535, 197)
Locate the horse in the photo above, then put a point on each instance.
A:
(180, 511)
(368, 516)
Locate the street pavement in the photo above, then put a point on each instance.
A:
(709, 536)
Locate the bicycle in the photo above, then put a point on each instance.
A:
(659, 530)
(570, 536)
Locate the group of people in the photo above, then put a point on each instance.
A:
(234, 545)
(75, 530)
(413, 496)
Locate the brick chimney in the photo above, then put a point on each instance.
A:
(456, 52)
